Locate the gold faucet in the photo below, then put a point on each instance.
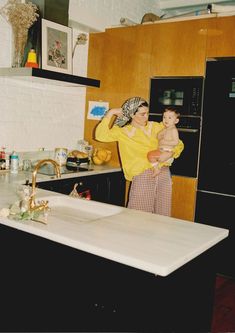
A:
(43, 205)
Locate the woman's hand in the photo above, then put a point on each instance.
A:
(114, 112)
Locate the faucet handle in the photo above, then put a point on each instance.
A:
(42, 204)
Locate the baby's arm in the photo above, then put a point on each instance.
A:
(165, 155)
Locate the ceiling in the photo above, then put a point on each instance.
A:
(179, 7)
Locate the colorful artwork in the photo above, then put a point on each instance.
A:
(96, 110)
(57, 48)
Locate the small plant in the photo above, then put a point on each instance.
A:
(81, 40)
(21, 16)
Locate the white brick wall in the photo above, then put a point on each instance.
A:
(34, 115)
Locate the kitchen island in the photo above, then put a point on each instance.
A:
(130, 271)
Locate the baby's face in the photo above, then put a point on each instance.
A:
(169, 118)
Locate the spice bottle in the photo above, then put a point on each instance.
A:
(3, 153)
(14, 162)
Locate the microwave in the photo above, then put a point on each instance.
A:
(183, 93)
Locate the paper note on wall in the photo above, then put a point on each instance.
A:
(96, 110)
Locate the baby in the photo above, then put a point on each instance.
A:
(168, 138)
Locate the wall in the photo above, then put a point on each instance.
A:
(36, 115)
(100, 14)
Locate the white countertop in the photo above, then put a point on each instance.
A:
(150, 242)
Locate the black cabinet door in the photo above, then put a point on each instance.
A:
(65, 186)
(108, 187)
(217, 158)
(115, 185)
(218, 210)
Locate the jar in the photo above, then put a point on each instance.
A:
(81, 145)
(61, 155)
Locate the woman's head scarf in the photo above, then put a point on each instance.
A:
(129, 108)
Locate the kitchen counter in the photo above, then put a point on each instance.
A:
(130, 271)
(150, 242)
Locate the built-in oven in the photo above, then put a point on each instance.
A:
(185, 95)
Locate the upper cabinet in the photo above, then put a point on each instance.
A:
(50, 76)
(221, 38)
(179, 48)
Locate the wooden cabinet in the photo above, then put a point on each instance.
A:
(183, 197)
(179, 48)
(221, 38)
(107, 187)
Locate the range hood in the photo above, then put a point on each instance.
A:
(36, 74)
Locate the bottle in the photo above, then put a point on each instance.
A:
(14, 162)
(7, 161)
(3, 153)
(2, 159)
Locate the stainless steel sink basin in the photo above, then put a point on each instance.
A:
(78, 210)
(49, 170)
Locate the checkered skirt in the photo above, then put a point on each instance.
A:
(152, 194)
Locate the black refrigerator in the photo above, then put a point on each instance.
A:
(215, 203)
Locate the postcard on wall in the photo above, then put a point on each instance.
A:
(96, 110)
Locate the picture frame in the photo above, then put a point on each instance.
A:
(56, 50)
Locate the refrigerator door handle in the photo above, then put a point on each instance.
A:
(188, 130)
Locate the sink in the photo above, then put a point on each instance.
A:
(78, 210)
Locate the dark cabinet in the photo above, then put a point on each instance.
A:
(106, 187)
(216, 182)
(218, 210)
(49, 287)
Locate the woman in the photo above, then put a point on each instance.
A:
(136, 136)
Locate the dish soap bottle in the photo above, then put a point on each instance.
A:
(14, 162)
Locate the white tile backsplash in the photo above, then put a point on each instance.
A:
(40, 115)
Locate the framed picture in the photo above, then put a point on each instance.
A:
(56, 47)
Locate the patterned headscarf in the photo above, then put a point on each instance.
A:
(129, 108)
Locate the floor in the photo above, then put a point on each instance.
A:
(224, 305)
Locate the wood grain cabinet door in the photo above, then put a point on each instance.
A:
(221, 38)
(179, 48)
(183, 197)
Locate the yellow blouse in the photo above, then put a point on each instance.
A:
(134, 144)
